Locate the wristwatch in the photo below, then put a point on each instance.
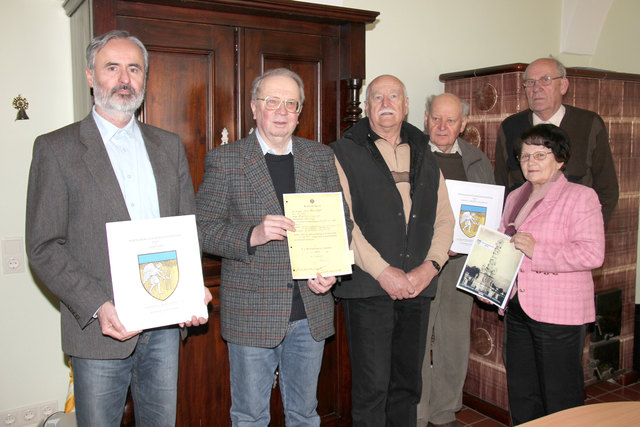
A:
(436, 265)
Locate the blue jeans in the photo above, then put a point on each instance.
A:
(252, 376)
(100, 386)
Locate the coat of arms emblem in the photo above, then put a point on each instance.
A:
(471, 217)
(159, 273)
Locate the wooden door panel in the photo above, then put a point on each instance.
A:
(181, 106)
(313, 58)
(190, 87)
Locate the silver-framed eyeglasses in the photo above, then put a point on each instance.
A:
(542, 81)
(538, 155)
(274, 102)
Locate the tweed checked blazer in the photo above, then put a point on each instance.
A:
(73, 192)
(556, 285)
(256, 290)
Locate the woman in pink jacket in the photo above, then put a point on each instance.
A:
(558, 226)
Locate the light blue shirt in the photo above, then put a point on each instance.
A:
(266, 149)
(131, 164)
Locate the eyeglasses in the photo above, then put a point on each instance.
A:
(538, 155)
(273, 103)
(542, 81)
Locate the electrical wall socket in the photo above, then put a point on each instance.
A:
(13, 255)
(27, 415)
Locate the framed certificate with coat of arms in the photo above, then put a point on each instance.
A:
(156, 271)
(473, 204)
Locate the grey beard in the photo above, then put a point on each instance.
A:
(113, 102)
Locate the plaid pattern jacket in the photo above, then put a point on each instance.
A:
(256, 290)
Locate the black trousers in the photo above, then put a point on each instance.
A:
(387, 341)
(544, 365)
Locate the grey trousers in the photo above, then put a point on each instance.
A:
(449, 322)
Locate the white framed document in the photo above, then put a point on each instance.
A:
(320, 243)
(156, 271)
(491, 267)
(473, 204)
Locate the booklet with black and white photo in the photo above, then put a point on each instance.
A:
(491, 267)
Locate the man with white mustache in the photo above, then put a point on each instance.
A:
(402, 233)
(107, 167)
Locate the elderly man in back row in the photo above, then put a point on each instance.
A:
(444, 373)
(591, 164)
(404, 227)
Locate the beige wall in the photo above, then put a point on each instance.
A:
(418, 40)
(415, 40)
(36, 60)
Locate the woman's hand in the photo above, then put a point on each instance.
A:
(484, 300)
(524, 242)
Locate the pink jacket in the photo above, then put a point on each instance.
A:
(555, 285)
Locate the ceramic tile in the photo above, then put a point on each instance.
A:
(469, 416)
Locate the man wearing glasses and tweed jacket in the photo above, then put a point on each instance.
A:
(270, 321)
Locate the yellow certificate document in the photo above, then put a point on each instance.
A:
(320, 243)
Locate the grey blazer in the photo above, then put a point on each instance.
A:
(256, 290)
(73, 191)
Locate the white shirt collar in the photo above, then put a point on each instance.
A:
(455, 149)
(108, 129)
(266, 149)
(554, 120)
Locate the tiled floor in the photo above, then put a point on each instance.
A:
(608, 391)
(611, 391)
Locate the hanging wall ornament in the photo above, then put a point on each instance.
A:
(21, 104)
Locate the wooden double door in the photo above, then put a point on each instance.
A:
(197, 89)
(203, 57)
